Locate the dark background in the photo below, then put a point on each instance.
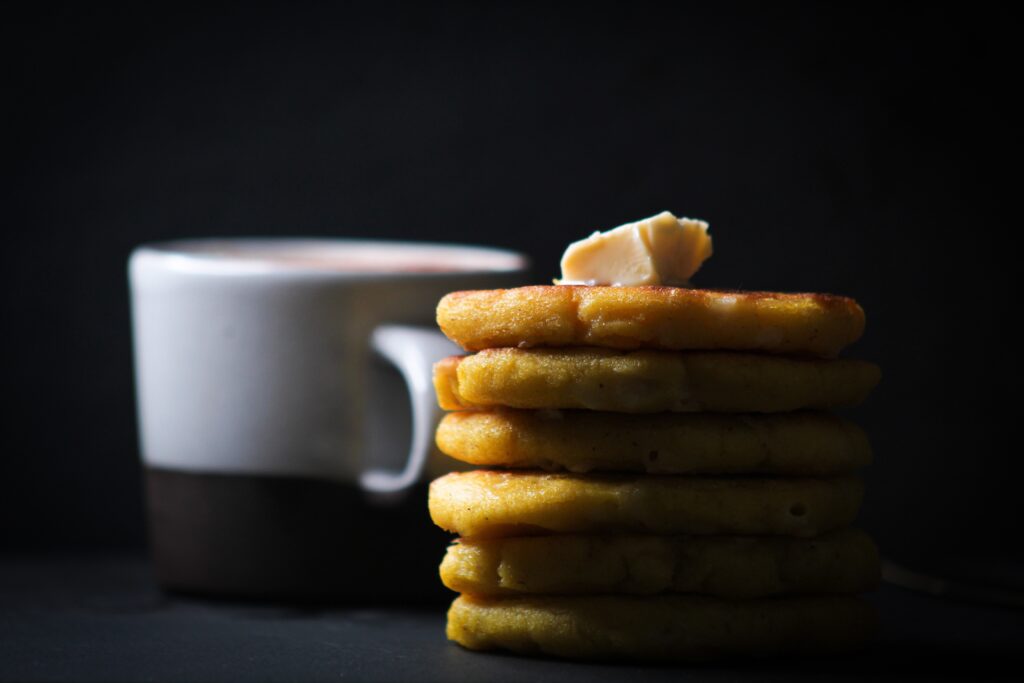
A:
(849, 150)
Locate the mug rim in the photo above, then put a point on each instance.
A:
(186, 256)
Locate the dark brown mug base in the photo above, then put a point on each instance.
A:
(291, 539)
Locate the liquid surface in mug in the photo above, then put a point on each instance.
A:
(356, 258)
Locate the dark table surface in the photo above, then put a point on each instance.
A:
(103, 618)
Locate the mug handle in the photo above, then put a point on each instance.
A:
(413, 351)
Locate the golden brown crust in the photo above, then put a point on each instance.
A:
(801, 443)
(446, 382)
(489, 503)
(649, 381)
(669, 318)
(735, 567)
(661, 628)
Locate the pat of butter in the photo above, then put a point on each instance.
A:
(660, 250)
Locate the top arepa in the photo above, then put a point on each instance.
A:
(667, 318)
(629, 288)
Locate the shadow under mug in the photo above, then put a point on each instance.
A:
(286, 411)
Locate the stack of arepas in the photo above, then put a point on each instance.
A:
(661, 478)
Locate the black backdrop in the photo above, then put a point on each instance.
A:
(855, 151)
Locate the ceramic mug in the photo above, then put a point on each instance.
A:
(286, 410)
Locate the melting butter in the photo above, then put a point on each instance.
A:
(660, 250)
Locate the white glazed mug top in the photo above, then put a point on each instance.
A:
(330, 258)
(262, 356)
